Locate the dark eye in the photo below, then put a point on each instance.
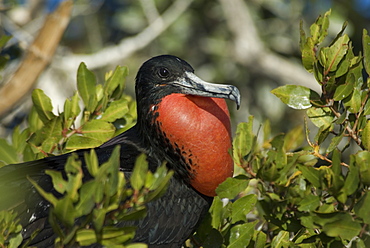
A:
(163, 72)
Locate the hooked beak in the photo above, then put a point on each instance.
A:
(193, 85)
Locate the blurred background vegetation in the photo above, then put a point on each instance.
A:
(251, 44)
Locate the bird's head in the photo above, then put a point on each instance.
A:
(185, 120)
(166, 74)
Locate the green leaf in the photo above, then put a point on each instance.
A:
(34, 121)
(281, 158)
(353, 178)
(309, 203)
(59, 184)
(322, 134)
(354, 102)
(86, 237)
(219, 212)
(92, 163)
(337, 179)
(335, 53)
(113, 171)
(42, 105)
(344, 65)
(16, 241)
(345, 227)
(92, 104)
(366, 50)
(243, 141)
(362, 159)
(136, 214)
(75, 175)
(357, 71)
(308, 54)
(159, 187)
(335, 142)
(86, 82)
(98, 129)
(19, 139)
(323, 22)
(295, 96)
(294, 139)
(116, 80)
(241, 207)
(302, 36)
(49, 134)
(100, 93)
(308, 45)
(75, 107)
(318, 72)
(281, 240)
(367, 105)
(52, 129)
(117, 235)
(81, 142)
(311, 174)
(71, 109)
(241, 235)
(139, 172)
(64, 211)
(362, 208)
(86, 202)
(48, 196)
(231, 187)
(344, 90)
(259, 238)
(137, 245)
(8, 153)
(116, 110)
(10, 229)
(365, 136)
(321, 117)
(98, 218)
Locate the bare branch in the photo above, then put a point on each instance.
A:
(115, 54)
(150, 10)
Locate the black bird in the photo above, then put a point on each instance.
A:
(182, 120)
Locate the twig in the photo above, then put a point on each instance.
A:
(349, 129)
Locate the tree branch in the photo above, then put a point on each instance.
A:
(38, 56)
(115, 54)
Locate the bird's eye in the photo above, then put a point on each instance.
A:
(163, 72)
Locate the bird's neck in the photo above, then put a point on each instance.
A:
(193, 134)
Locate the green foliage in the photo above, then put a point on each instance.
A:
(10, 230)
(87, 212)
(107, 112)
(308, 196)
